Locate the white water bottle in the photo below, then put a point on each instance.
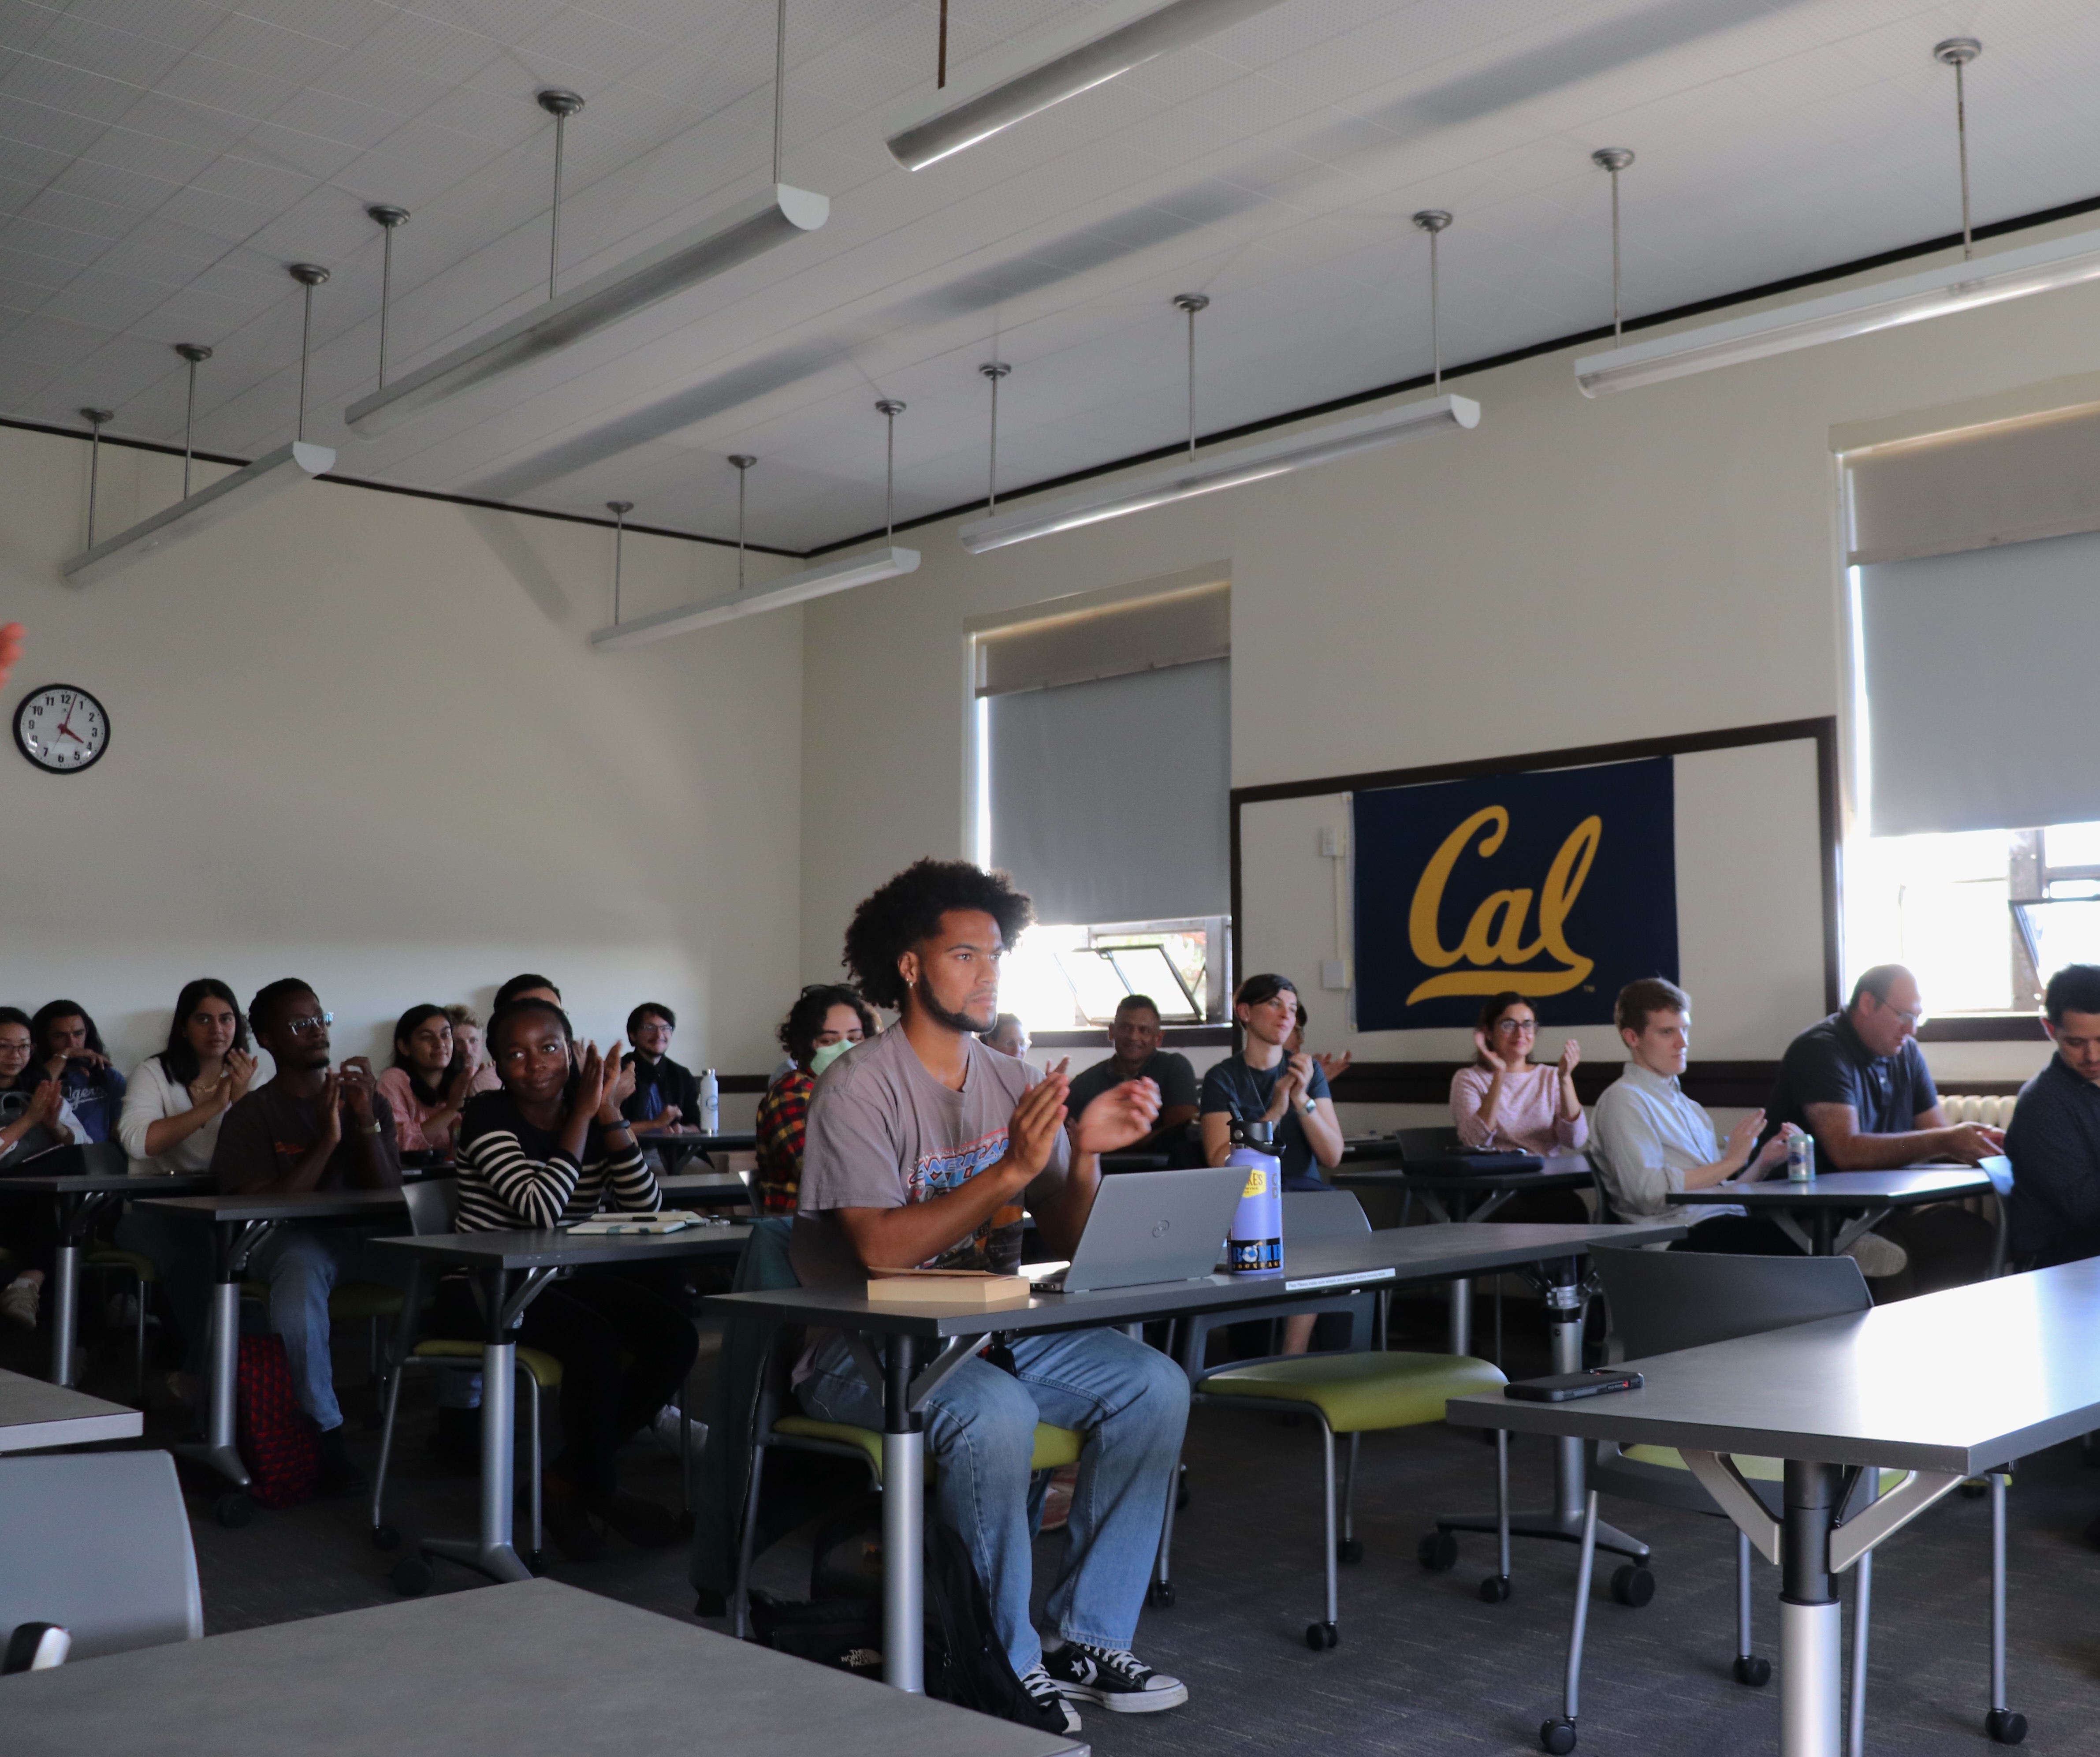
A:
(710, 1102)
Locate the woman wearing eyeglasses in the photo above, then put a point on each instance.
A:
(1505, 1102)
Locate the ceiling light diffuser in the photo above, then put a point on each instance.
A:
(819, 581)
(1227, 470)
(229, 496)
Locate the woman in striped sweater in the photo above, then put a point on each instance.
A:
(549, 1149)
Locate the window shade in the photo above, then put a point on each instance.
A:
(1109, 798)
(1109, 641)
(1979, 672)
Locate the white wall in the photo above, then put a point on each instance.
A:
(360, 738)
(1572, 573)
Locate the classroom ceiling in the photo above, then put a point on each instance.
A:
(162, 160)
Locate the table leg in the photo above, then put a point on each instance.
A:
(219, 1452)
(1462, 1317)
(65, 1309)
(903, 1514)
(1810, 1669)
(1820, 1219)
(493, 1552)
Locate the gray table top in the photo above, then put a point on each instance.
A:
(729, 1141)
(102, 1183)
(533, 1670)
(1490, 1183)
(308, 1205)
(679, 1187)
(565, 1250)
(1846, 1189)
(1392, 1257)
(34, 1415)
(1955, 1381)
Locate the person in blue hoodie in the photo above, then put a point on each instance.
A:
(68, 1049)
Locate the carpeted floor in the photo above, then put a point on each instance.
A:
(1423, 1665)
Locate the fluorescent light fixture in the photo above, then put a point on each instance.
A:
(1962, 286)
(226, 498)
(782, 214)
(819, 581)
(1227, 470)
(956, 125)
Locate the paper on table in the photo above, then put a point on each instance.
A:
(612, 1225)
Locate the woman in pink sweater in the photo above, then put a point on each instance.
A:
(1504, 1101)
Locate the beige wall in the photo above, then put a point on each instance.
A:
(360, 738)
(1572, 573)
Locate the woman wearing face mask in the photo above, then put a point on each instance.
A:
(429, 1083)
(34, 1117)
(827, 1020)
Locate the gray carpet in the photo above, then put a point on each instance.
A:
(1423, 1665)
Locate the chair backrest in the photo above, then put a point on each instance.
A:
(1427, 1143)
(1322, 1214)
(99, 1543)
(433, 1205)
(1664, 1301)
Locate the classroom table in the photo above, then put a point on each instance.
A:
(241, 1223)
(678, 1145)
(1826, 1198)
(702, 1190)
(34, 1415)
(512, 1269)
(534, 1670)
(1947, 1386)
(82, 1199)
(885, 1336)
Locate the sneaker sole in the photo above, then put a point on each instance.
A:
(1126, 1702)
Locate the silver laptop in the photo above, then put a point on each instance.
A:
(1149, 1227)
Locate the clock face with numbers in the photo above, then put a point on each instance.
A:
(61, 729)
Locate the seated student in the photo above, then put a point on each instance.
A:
(551, 1149)
(69, 1048)
(665, 1095)
(827, 1020)
(920, 1145)
(2054, 1139)
(310, 1127)
(1261, 1083)
(1858, 1082)
(429, 1083)
(1505, 1102)
(170, 1123)
(1008, 1036)
(34, 1117)
(1135, 1053)
(467, 1043)
(527, 986)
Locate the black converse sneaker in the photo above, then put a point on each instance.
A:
(1115, 1677)
(1053, 1714)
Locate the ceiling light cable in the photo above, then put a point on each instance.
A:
(620, 510)
(1433, 220)
(309, 275)
(561, 105)
(780, 79)
(196, 354)
(389, 220)
(1192, 303)
(995, 370)
(1957, 52)
(1614, 159)
(743, 460)
(94, 418)
(889, 408)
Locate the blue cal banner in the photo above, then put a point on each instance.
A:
(1560, 885)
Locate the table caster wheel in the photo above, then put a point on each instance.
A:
(386, 1538)
(1319, 1637)
(1350, 1550)
(1633, 1586)
(411, 1577)
(1495, 1589)
(233, 1511)
(1753, 1670)
(1557, 1737)
(1160, 1593)
(2004, 1726)
(1438, 1552)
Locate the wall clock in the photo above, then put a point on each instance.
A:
(60, 729)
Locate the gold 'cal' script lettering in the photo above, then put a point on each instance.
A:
(1493, 940)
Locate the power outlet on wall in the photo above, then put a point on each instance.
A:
(1333, 974)
(1331, 845)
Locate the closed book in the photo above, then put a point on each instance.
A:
(971, 1289)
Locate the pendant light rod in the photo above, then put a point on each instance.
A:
(309, 275)
(1957, 52)
(743, 460)
(620, 510)
(995, 370)
(196, 354)
(1433, 220)
(94, 418)
(780, 79)
(1192, 303)
(1614, 159)
(391, 220)
(561, 105)
(941, 54)
(889, 408)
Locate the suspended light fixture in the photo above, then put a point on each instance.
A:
(819, 581)
(270, 475)
(1190, 303)
(620, 510)
(1614, 159)
(993, 370)
(1963, 286)
(195, 354)
(1065, 72)
(730, 239)
(94, 418)
(561, 105)
(389, 220)
(889, 408)
(1434, 221)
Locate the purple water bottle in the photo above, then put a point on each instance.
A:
(1256, 1245)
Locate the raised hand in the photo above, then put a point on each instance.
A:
(358, 1087)
(617, 1083)
(241, 1066)
(331, 1103)
(1571, 1054)
(43, 1107)
(1122, 1114)
(622, 1082)
(1492, 1057)
(591, 1080)
(1032, 1132)
(1744, 1137)
(1334, 1066)
(459, 1087)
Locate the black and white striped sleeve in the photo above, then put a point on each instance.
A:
(505, 1189)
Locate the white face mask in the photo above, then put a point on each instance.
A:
(829, 1054)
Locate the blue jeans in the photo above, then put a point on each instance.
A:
(181, 1249)
(1132, 1404)
(302, 1265)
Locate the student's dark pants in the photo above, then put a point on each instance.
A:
(1738, 1235)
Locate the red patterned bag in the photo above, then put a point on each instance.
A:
(276, 1440)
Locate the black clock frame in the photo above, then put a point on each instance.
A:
(22, 744)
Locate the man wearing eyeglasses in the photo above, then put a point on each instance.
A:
(312, 1127)
(1858, 1082)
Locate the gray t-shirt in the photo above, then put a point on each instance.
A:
(1171, 1073)
(883, 1132)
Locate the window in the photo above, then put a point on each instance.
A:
(1066, 977)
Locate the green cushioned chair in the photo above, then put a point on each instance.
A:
(1366, 1390)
